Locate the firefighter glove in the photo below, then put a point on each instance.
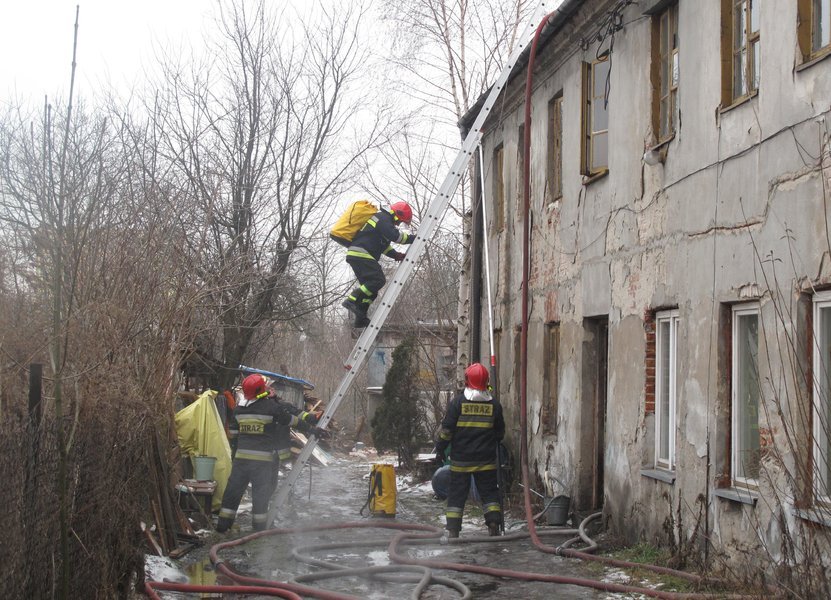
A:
(310, 418)
(441, 450)
(321, 434)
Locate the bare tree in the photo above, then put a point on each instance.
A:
(259, 139)
(454, 48)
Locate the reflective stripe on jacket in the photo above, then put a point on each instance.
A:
(256, 428)
(474, 424)
(375, 237)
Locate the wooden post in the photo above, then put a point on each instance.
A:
(30, 488)
(35, 414)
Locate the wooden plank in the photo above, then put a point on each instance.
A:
(182, 550)
(184, 524)
(151, 540)
(157, 517)
(169, 516)
(188, 538)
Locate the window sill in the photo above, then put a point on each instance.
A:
(659, 474)
(657, 154)
(739, 102)
(816, 514)
(662, 144)
(589, 179)
(818, 56)
(734, 494)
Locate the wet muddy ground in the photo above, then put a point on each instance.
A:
(336, 495)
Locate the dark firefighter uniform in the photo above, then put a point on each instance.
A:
(255, 439)
(475, 425)
(371, 241)
(283, 448)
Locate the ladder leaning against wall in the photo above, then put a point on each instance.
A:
(427, 228)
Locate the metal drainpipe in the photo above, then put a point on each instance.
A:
(476, 235)
(526, 262)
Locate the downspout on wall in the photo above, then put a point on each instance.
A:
(476, 242)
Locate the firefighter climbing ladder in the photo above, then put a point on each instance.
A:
(426, 230)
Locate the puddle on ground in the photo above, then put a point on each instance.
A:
(336, 495)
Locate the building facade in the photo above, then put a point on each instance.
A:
(679, 333)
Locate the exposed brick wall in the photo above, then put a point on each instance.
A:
(649, 329)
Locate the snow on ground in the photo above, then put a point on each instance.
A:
(162, 568)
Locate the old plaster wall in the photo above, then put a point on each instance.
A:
(735, 213)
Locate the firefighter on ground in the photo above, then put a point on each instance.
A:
(371, 241)
(473, 426)
(254, 443)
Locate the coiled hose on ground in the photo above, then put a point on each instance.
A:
(406, 569)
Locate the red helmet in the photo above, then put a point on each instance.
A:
(403, 211)
(476, 377)
(253, 386)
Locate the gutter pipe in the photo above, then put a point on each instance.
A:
(487, 264)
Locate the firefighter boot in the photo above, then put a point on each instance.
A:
(361, 318)
(493, 529)
(224, 524)
(358, 304)
(452, 533)
(351, 305)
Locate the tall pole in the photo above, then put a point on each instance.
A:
(30, 485)
(487, 264)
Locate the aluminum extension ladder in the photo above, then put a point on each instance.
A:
(426, 230)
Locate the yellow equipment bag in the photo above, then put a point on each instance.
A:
(351, 221)
(382, 491)
(201, 433)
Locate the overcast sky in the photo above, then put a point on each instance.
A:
(115, 38)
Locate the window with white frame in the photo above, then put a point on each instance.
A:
(822, 397)
(666, 369)
(746, 396)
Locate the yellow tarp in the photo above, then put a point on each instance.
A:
(200, 432)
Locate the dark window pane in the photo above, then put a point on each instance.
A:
(748, 396)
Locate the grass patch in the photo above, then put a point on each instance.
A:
(647, 554)
(642, 553)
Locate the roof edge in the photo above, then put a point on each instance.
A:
(556, 21)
